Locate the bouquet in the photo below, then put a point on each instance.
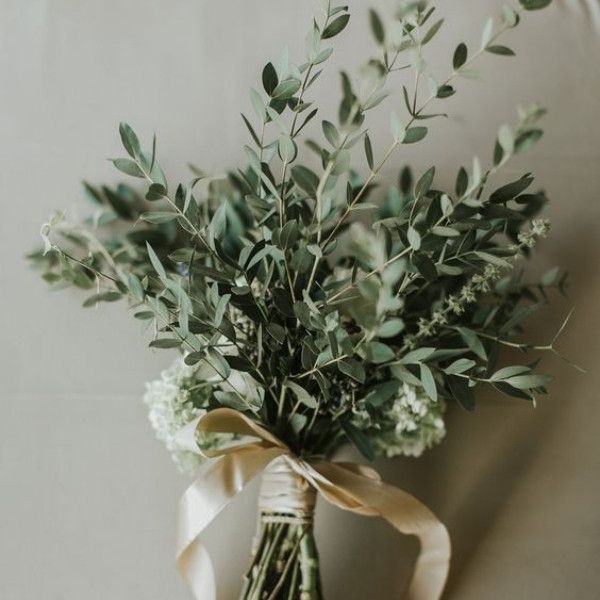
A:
(312, 311)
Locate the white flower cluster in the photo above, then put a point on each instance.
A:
(407, 425)
(173, 401)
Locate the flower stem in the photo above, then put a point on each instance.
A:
(285, 563)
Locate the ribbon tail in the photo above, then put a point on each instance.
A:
(216, 484)
(354, 491)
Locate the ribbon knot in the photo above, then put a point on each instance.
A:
(352, 487)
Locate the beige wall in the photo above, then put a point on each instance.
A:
(87, 497)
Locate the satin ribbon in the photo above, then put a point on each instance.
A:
(351, 487)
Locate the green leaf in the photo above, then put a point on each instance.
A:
(417, 355)
(534, 4)
(445, 91)
(527, 139)
(156, 191)
(220, 309)
(231, 400)
(460, 56)
(425, 266)
(359, 439)
(379, 353)
(369, 151)
(298, 422)
(390, 328)
(431, 32)
(492, 258)
(305, 179)
(276, 331)
(352, 368)
(331, 133)
(258, 105)
(335, 27)
(128, 166)
(286, 89)
(428, 382)
(473, 342)
(302, 395)
(510, 371)
(164, 343)
(414, 238)
(527, 382)
(376, 26)
(135, 286)
(102, 297)
(157, 264)
(251, 130)
(462, 182)
(501, 50)
(414, 134)
(460, 366)
(218, 362)
(129, 140)
(144, 315)
(442, 231)
(459, 388)
(193, 358)
(424, 183)
(269, 78)
(509, 191)
(158, 216)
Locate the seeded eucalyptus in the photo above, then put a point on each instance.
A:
(328, 311)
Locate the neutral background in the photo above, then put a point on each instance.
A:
(87, 496)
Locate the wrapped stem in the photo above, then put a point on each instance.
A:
(285, 562)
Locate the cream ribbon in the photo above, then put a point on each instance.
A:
(351, 487)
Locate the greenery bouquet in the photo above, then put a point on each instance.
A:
(311, 312)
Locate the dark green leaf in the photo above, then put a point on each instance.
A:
(359, 439)
(369, 151)
(462, 182)
(276, 331)
(335, 27)
(424, 183)
(445, 91)
(414, 134)
(352, 368)
(460, 56)
(473, 342)
(509, 191)
(305, 179)
(534, 4)
(501, 50)
(165, 343)
(425, 266)
(269, 78)
(376, 26)
(459, 388)
(431, 32)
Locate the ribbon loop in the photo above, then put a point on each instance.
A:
(351, 487)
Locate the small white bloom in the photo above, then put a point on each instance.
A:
(407, 425)
(175, 399)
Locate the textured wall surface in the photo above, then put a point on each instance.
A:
(87, 497)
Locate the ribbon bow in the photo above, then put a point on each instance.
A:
(351, 487)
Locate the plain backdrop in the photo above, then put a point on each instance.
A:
(87, 496)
